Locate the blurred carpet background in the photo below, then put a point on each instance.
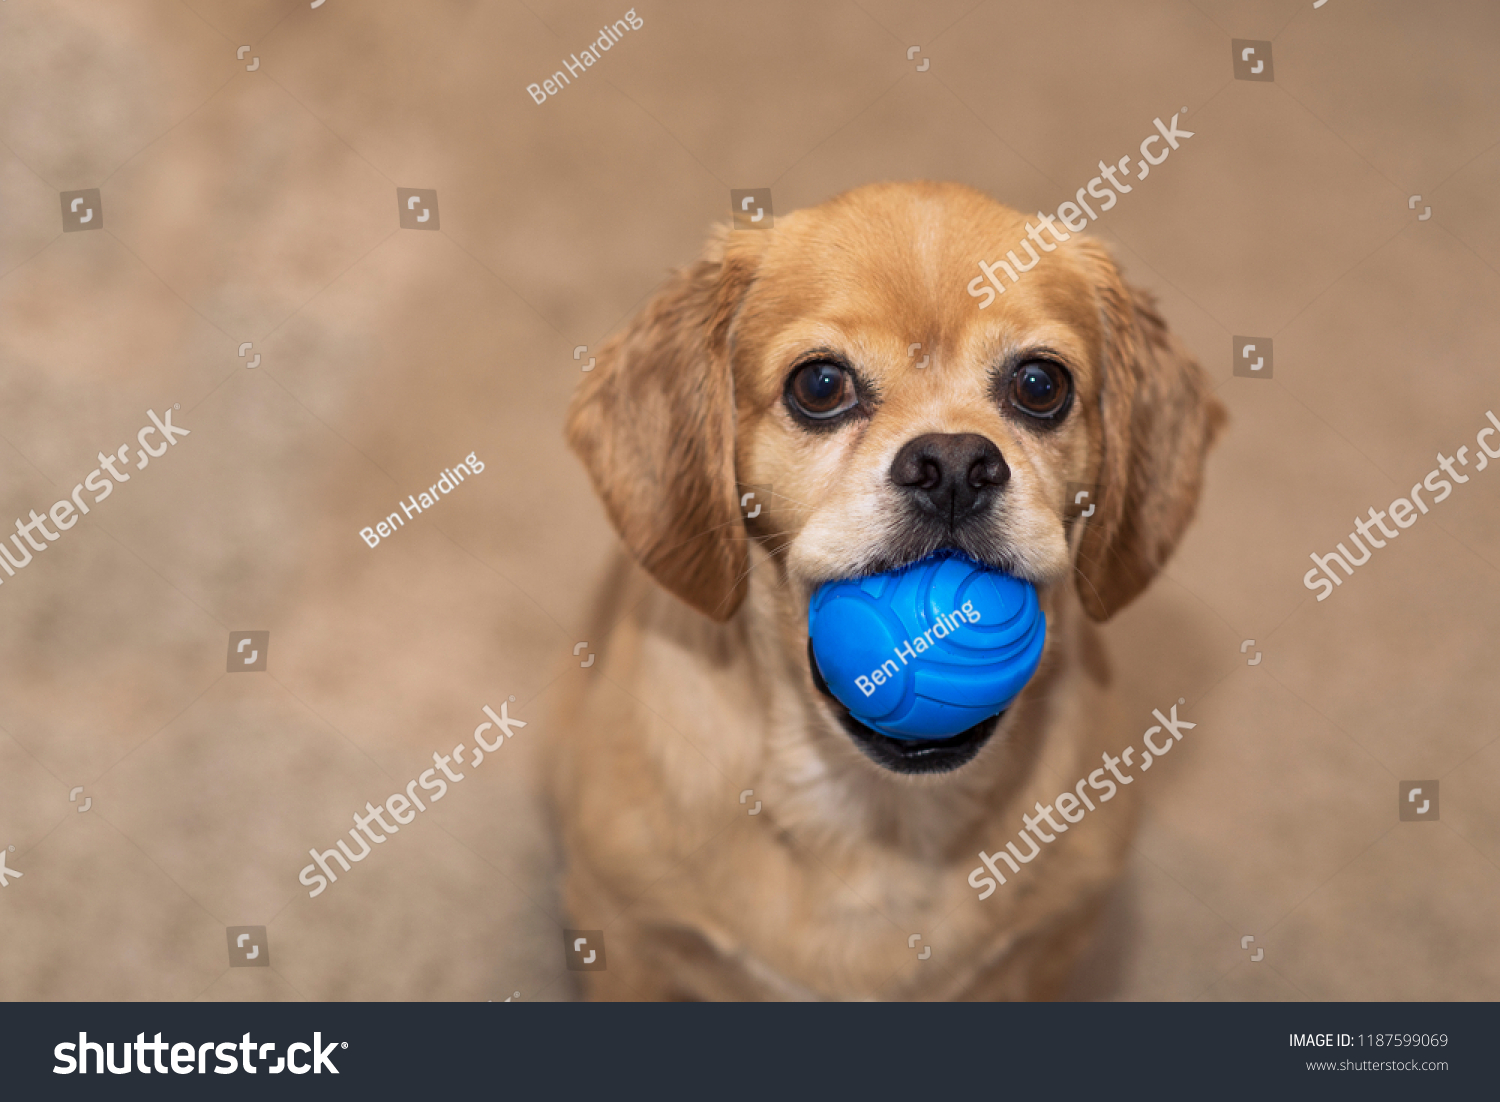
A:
(258, 204)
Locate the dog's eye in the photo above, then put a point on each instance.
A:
(1040, 388)
(821, 390)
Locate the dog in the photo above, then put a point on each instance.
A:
(734, 831)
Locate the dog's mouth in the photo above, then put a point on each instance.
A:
(921, 537)
(907, 755)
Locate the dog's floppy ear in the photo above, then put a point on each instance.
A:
(1158, 419)
(654, 425)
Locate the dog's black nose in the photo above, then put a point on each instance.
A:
(948, 474)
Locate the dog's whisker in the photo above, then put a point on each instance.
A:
(770, 555)
(1089, 582)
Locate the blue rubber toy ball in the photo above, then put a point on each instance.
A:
(929, 650)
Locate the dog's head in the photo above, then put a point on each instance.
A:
(839, 368)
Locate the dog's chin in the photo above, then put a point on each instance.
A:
(909, 756)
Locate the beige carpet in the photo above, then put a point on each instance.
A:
(253, 199)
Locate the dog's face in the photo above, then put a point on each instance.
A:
(840, 369)
(889, 415)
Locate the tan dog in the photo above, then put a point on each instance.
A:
(779, 364)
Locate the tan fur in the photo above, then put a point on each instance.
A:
(703, 688)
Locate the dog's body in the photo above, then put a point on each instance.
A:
(704, 688)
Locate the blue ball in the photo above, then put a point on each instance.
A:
(929, 650)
